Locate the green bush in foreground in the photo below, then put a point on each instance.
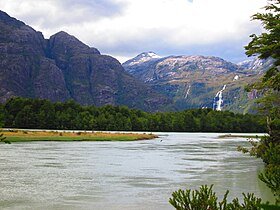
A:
(206, 199)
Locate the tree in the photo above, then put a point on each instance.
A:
(2, 137)
(12, 107)
(267, 45)
(43, 114)
(189, 122)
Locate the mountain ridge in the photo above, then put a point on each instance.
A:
(62, 68)
(194, 81)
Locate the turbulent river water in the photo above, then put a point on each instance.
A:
(123, 175)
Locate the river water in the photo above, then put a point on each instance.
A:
(123, 175)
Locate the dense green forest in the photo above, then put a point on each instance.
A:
(43, 114)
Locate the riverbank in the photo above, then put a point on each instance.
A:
(14, 135)
(240, 136)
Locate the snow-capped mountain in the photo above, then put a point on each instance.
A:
(142, 60)
(256, 64)
(197, 81)
(143, 57)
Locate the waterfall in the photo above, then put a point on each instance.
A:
(218, 100)
(188, 91)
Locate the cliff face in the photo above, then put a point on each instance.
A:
(64, 68)
(24, 69)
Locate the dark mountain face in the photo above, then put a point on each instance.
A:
(198, 81)
(24, 69)
(64, 68)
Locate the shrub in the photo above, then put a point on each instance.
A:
(206, 199)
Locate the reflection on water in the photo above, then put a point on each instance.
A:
(122, 175)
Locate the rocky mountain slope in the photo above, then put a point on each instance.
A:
(199, 81)
(63, 68)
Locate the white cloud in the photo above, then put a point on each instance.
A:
(124, 28)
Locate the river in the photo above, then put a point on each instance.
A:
(123, 175)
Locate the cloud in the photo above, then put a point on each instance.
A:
(53, 14)
(124, 28)
(217, 27)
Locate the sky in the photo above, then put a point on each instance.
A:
(126, 28)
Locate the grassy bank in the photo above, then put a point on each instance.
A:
(24, 135)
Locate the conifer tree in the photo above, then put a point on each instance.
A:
(267, 45)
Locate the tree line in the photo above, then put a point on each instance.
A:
(43, 114)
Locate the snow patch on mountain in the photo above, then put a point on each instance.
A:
(236, 77)
(142, 58)
(252, 64)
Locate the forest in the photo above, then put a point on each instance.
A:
(43, 114)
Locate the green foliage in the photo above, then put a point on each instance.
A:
(269, 207)
(192, 200)
(267, 45)
(42, 114)
(269, 152)
(1, 115)
(271, 177)
(2, 137)
(206, 199)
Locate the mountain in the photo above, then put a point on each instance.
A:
(62, 68)
(198, 81)
(256, 64)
